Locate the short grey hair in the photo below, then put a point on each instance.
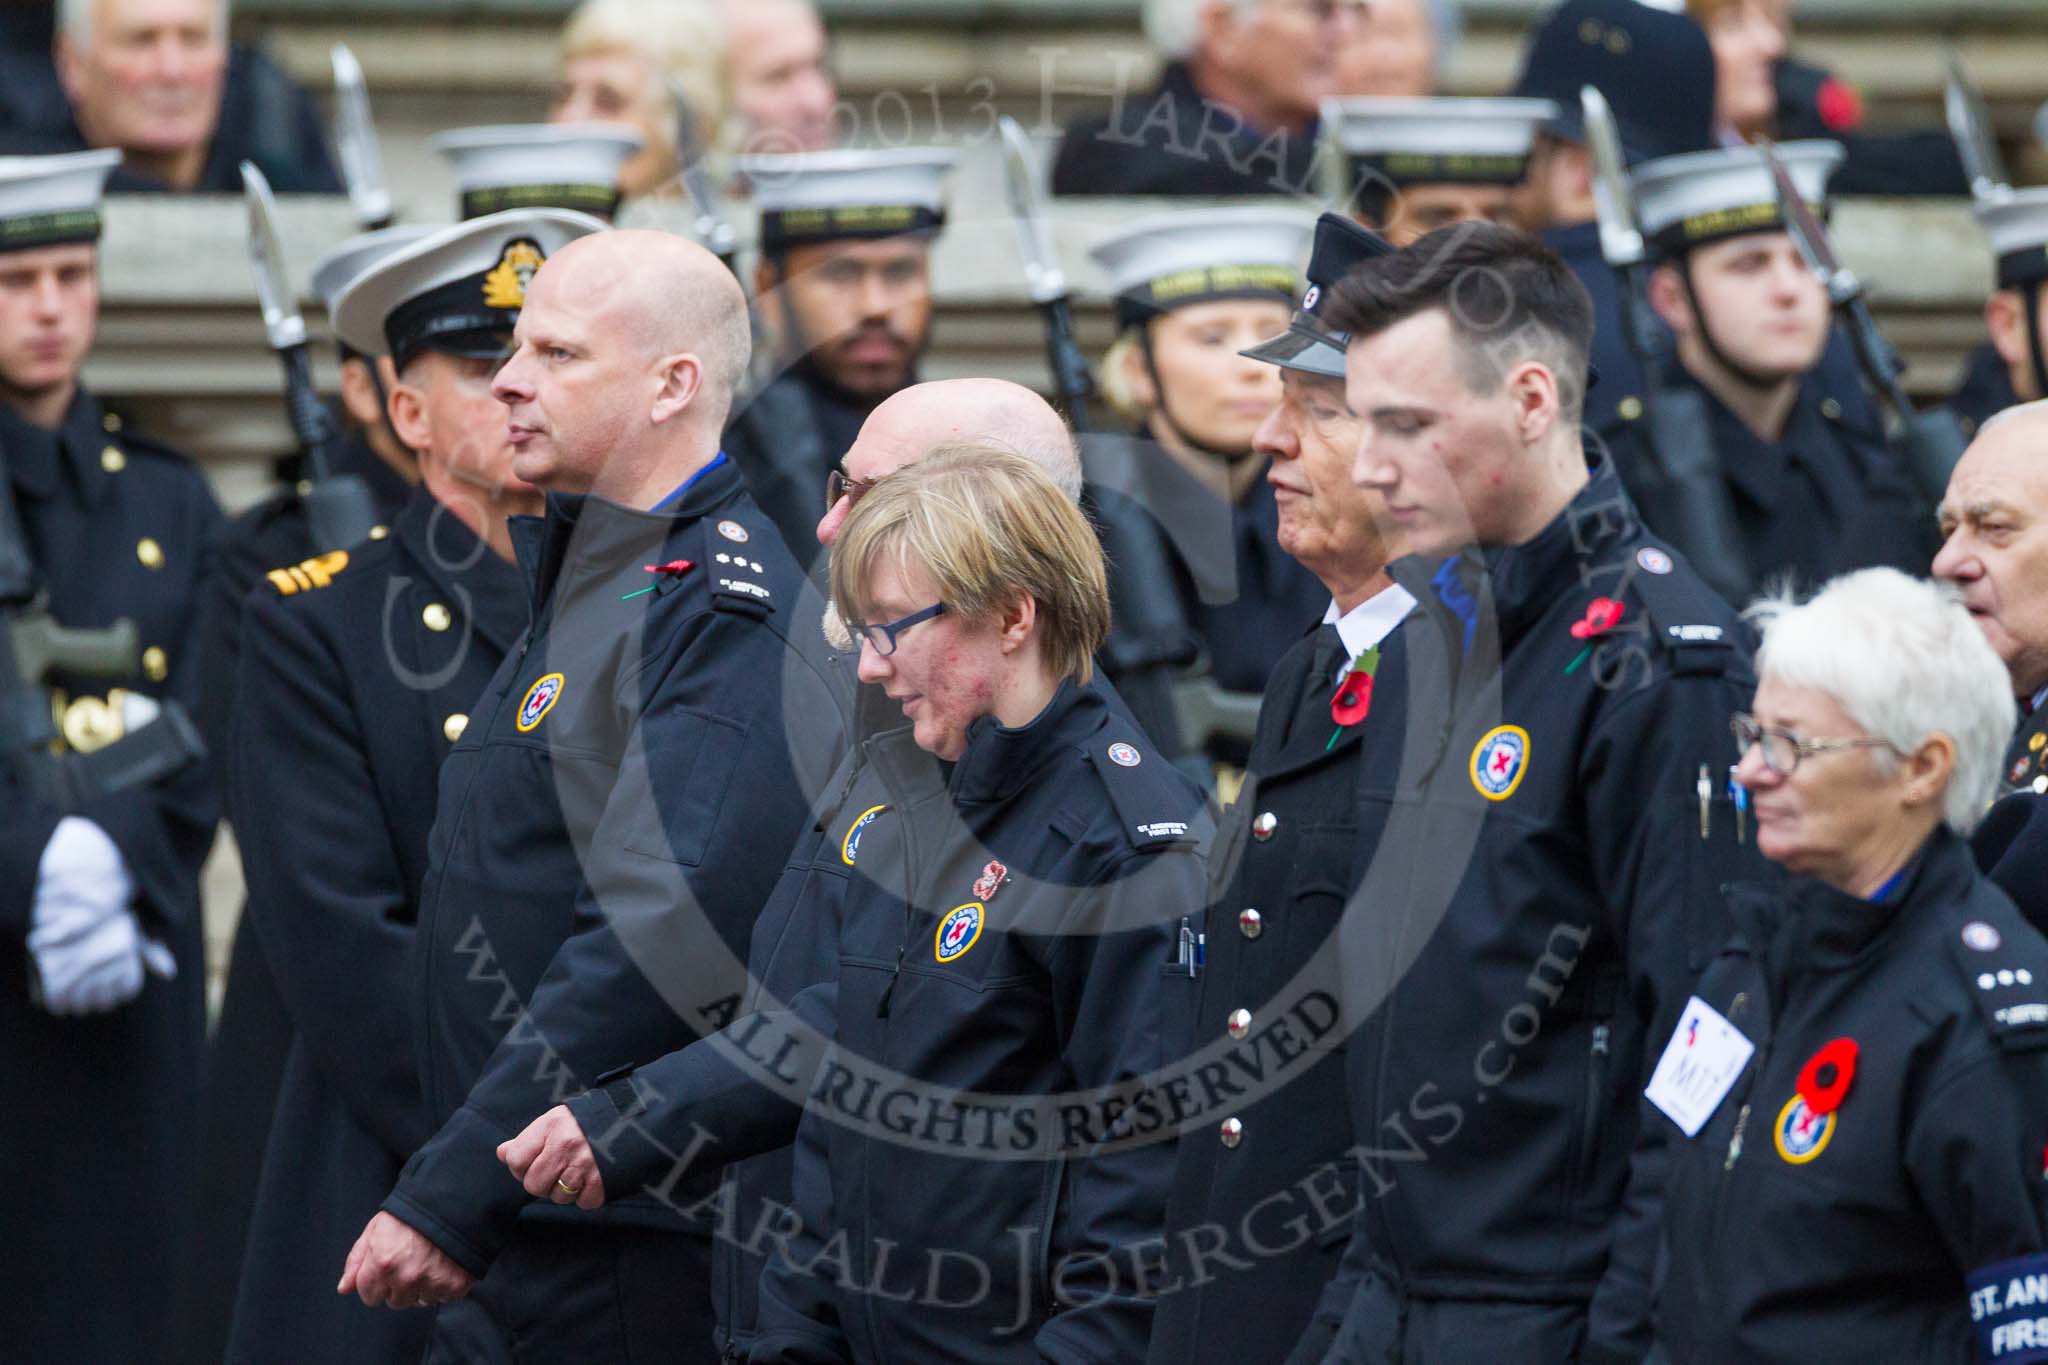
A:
(1905, 660)
(76, 20)
(1174, 27)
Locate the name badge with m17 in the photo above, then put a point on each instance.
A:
(1705, 1055)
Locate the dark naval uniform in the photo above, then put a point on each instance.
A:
(1870, 1186)
(789, 436)
(606, 832)
(101, 1109)
(1828, 496)
(361, 670)
(1283, 1190)
(2026, 756)
(252, 1035)
(1170, 140)
(1015, 937)
(1543, 851)
(1986, 389)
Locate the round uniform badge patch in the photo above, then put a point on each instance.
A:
(733, 532)
(1801, 1134)
(1123, 755)
(849, 847)
(1653, 560)
(539, 699)
(958, 931)
(1981, 936)
(1313, 297)
(1499, 760)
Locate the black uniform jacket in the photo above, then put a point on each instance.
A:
(1173, 140)
(608, 828)
(1986, 389)
(1282, 1190)
(2026, 756)
(1910, 1222)
(1009, 949)
(103, 1107)
(1539, 897)
(353, 690)
(783, 454)
(1826, 497)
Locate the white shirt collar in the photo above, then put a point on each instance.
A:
(1370, 622)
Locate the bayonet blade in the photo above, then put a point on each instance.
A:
(281, 320)
(1042, 274)
(355, 138)
(1621, 238)
(1969, 123)
(1808, 235)
(714, 231)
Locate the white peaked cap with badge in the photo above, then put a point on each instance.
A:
(538, 165)
(2018, 229)
(339, 265)
(1163, 244)
(1699, 197)
(1435, 126)
(458, 283)
(51, 200)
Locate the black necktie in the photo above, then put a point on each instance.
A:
(1313, 714)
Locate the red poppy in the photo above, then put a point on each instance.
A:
(1602, 615)
(673, 566)
(1353, 699)
(1825, 1078)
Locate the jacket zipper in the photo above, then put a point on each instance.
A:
(1596, 1095)
(869, 1313)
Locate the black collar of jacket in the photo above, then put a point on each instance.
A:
(464, 568)
(1524, 582)
(36, 456)
(1000, 760)
(1811, 925)
(600, 535)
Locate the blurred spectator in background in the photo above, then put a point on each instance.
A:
(1234, 112)
(776, 70)
(1763, 92)
(618, 60)
(159, 80)
(1399, 47)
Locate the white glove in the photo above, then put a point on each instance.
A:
(89, 952)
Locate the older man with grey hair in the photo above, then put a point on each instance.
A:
(1994, 526)
(1234, 112)
(159, 80)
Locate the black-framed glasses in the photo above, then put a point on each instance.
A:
(839, 484)
(882, 638)
(1782, 749)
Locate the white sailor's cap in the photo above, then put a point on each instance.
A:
(1169, 260)
(350, 257)
(2018, 229)
(50, 200)
(1700, 197)
(828, 196)
(1440, 140)
(458, 290)
(538, 165)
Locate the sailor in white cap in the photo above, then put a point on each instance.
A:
(251, 1039)
(360, 668)
(843, 286)
(539, 166)
(1410, 166)
(2013, 367)
(1816, 491)
(102, 970)
(1193, 290)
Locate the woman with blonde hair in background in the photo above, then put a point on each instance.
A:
(621, 60)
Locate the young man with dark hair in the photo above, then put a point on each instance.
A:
(1536, 897)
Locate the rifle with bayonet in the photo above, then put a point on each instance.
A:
(1678, 486)
(1969, 123)
(355, 139)
(712, 229)
(34, 649)
(339, 508)
(1047, 283)
(1930, 442)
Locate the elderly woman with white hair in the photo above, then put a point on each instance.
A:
(1860, 1087)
